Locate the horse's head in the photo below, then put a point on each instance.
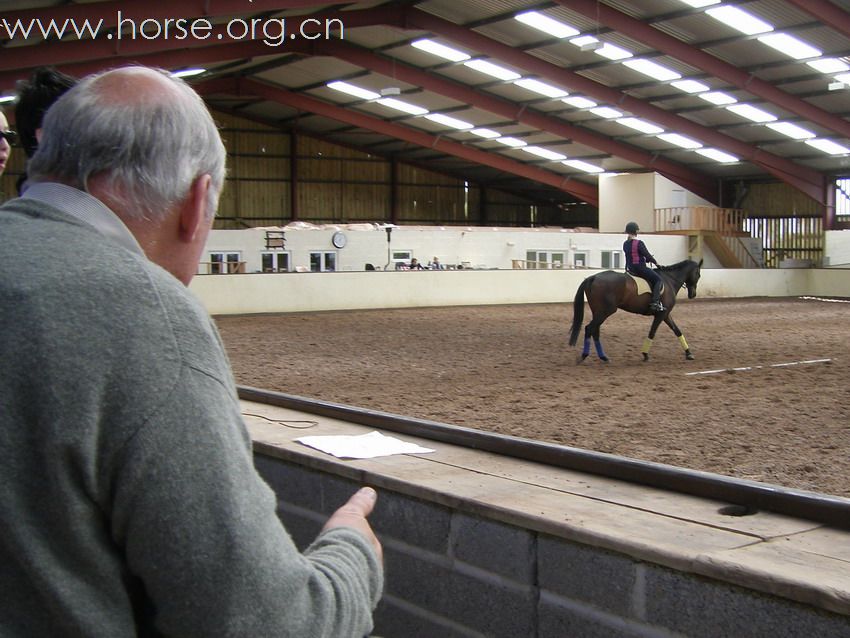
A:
(692, 279)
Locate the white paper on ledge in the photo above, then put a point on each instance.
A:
(363, 446)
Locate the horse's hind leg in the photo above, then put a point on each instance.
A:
(647, 342)
(591, 331)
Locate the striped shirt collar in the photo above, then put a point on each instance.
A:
(86, 208)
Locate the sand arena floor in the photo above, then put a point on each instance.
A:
(509, 369)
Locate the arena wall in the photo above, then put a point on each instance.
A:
(303, 292)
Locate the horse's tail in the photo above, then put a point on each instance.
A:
(578, 309)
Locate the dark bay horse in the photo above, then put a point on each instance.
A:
(607, 291)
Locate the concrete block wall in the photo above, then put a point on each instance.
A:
(452, 573)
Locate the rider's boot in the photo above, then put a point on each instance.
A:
(655, 305)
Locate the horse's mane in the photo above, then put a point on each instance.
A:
(677, 266)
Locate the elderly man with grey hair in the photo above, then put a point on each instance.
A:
(129, 500)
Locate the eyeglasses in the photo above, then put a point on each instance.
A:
(10, 136)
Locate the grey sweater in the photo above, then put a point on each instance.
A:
(129, 504)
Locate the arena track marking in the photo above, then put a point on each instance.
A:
(825, 299)
(746, 368)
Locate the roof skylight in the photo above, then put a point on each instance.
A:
(613, 52)
(541, 87)
(351, 89)
(545, 153)
(493, 70)
(400, 105)
(606, 111)
(485, 132)
(440, 50)
(579, 101)
(739, 19)
(680, 140)
(546, 24)
(789, 45)
(652, 69)
(510, 141)
(581, 165)
(828, 65)
(447, 120)
(700, 3)
(828, 146)
(791, 130)
(751, 113)
(640, 125)
(718, 97)
(717, 156)
(690, 86)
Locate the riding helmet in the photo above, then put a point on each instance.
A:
(632, 228)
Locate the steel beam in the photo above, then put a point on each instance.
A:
(580, 190)
(806, 180)
(695, 181)
(736, 76)
(830, 14)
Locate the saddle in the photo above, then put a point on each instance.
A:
(642, 284)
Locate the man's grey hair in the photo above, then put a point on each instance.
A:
(148, 146)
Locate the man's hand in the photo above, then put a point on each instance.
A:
(353, 514)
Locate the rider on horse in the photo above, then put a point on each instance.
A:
(637, 257)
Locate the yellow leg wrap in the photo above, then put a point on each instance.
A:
(647, 344)
(683, 342)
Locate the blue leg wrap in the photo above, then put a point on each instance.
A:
(599, 351)
(586, 350)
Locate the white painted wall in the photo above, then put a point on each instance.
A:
(301, 292)
(479, 247)
(836, 249)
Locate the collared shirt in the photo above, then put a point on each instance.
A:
(86, 208)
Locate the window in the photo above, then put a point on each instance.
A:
(842, 198)
(225, 263)
(275, 262)
(544, 259)
(612, 259)
(401, 258)
(580, 259)
(323, 261)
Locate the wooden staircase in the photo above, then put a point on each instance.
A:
(719, 229)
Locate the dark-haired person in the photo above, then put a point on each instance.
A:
(128, 494)
(637, 256)
(34, 97)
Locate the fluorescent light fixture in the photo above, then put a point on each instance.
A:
(447, 120)
(652, 69)
(791, 130)
(510, 141)
(843, 77)
(700, 3)
(689, 86)
(717, 156)
(607, 112)
(351, 89)
(790, 46)
(440, 50)
(399, 105)
(546, 24)
(579, 102)
(485, 132)
(613, 52)
(584, 40)
(640, 125)
(751, 113)
(828, 65)
(717, 97)
(541, 87)
(187, 73)
(5, 99)
(828, 146)
(739, 19)
(680, 140)
(545, 153)
(581, 165)
(493, 70)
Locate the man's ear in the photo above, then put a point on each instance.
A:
(193, 210)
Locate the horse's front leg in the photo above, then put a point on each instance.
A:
(647, 343)
(682, 341)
